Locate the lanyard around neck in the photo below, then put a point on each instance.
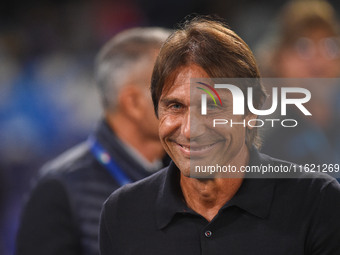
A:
(105, 159)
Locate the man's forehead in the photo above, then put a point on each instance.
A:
(175, 91)
(182, 77)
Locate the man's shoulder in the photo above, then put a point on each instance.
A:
(267, 159)
(296, 171)
(69, 162)
(141, 192)
(301, 179)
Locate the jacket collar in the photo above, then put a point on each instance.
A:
(108, 139)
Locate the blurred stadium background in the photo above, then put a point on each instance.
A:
(48, 101)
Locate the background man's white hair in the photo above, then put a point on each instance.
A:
(125, 57)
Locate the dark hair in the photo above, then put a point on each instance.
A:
(214, 47)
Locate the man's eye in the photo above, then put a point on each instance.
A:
(212, 106)
(176, 106)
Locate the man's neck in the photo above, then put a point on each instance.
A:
(151, 149)
(207, 196)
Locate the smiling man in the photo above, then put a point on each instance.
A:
(176, 211)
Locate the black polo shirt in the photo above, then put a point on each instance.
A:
(266, 216)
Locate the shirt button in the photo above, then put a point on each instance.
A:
(208, 233)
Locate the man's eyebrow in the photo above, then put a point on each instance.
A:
(169, 100)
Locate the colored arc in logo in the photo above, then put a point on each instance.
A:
(209, 93)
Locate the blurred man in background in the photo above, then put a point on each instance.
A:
(307, 46)
(62, 213)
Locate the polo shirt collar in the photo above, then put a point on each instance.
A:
(170, 198)
(254, 196)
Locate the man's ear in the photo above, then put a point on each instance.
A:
(131, 102)
(251, 116)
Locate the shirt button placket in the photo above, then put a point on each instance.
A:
(206, 242)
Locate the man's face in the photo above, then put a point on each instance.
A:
(314, 54)
(190, 138)
(149, 125)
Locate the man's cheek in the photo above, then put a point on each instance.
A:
(168, 125)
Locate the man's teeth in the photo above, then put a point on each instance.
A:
(201, 148)
(197, 148)
(185, 147)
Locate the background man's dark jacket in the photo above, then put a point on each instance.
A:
(62, 213)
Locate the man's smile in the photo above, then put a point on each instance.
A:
(197, 150)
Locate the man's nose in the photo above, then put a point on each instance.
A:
(192, 125)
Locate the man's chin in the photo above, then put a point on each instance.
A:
(191, 172)
(200, 176)
(185, 171)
